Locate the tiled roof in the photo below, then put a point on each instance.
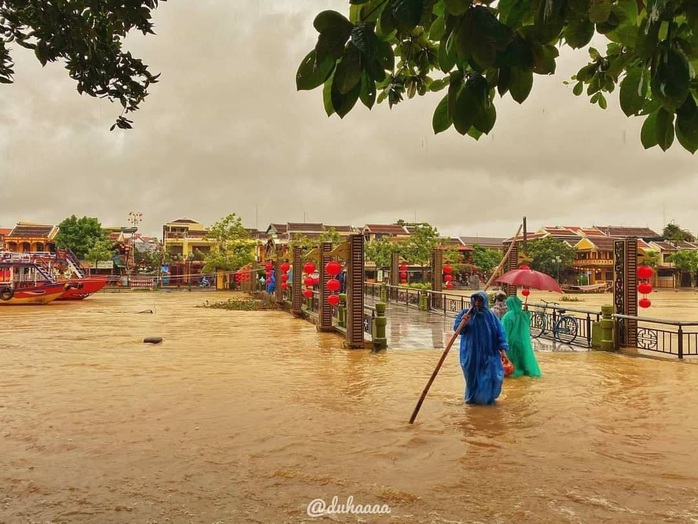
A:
(184, 220)
(4, 231)
(686, 245)
(27, 230)
(484, 241)
(622, 231)
(305, 228)
(341, 229)
(665, 246)
(386, 229)
(279, 228)
(603, 243)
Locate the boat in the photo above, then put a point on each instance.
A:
(77, 286)
(603, 287)
(26, 283)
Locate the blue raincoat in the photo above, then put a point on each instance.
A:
(480, 341)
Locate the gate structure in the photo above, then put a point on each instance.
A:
(625, 290)
(355, 292)
(437, 269)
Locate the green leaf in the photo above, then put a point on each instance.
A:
(447, 54)
(633, 91)
(356, 2)
(386, 22)
(486, 116)
(578, 88)
(441, 120)
(455, 85)
(327, 95)
(330, 44)
(437, 85)
(344, 102)
(578, 33)
(521, 84)
(367, 94)
(549, 20)
(349, 70)
(603, 104)
(457, 7)
(467, 106)
(544, 59)
(407, 14)
(474, 133)
(332, 21)
(600, 10)
(665, 129)
(310, 74)
(504, 80)
(437, 29)
(687, 125)
(514, 12)
(364, 39)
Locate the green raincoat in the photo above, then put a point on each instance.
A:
(516, 323)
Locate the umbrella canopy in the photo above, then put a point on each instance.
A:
(527, 277)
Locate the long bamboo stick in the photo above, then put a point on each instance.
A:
(458, 330)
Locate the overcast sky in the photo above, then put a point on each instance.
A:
(226, 131)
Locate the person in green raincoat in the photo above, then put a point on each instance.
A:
(517, 325)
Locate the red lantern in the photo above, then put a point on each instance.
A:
(284, 286)
(645, 288)
(316, 281)
(308, 281)
(333, 300)
(334, 284)
(284, 277)
(645, 302)
(269, 266)
(448, 269)
(333, 268)
(309, 267)
(403, 267)
(403, 281)
(526, 292)
(268, 280)
(645, 272)
(308, 293)
(524, 267)
(448, 278)
(268, 274)
(449, 284)
(285, 267)
(403, 275)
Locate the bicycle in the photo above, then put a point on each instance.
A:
(564, 327)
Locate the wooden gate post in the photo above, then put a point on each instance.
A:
(325, 321)
(297, 292)
(625, 289)
(437, 269)
(355, 293)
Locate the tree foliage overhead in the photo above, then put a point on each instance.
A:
(474, 49)
(88, 36)
(79, 235)
(233, 245)
(674, 233)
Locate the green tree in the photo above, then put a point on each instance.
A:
(88, 36)
(421, 244)
(79, 234)
(99, 251)
(233, 245)
(473, 49)
(331, 235)
(545, 252)
(485, 259)
(686, 260)
(674, 233)
(380, 252)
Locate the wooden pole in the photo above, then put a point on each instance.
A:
(457, 332)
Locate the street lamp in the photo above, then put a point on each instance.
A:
(557, 261)
(190, 257)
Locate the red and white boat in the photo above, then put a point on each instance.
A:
(26, 283)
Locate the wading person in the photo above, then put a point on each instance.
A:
(500, 307)
(482, 343)
(517, 325)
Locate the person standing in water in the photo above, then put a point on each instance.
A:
(517, 325)
(482, 343)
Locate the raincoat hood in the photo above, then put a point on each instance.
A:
(483, 296)
(514, 304)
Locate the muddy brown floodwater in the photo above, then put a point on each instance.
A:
(249, 416)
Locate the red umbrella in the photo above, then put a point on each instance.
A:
(527, 277)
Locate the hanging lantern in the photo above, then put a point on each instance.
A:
(308, 293)
(526, 292)
(285, 267)
(268, 280)
(333, 268)
(316, 281)
(269, 266)
(448, 269)
(268, 274)
(333, 300)
(645, 272)
(448, 278)
(334, 284)
(403, 275)
(284, 277)
(403, 267)
(284, 286)
(308, 281)
(645, 288)
(448, 284)
(645, 302)
(309, 267)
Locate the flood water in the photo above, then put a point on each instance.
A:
(249, 416)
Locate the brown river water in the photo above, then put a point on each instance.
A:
(249, 416)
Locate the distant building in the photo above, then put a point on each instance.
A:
(26, 236)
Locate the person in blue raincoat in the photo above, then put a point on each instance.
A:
(482, 342)
(271, 285)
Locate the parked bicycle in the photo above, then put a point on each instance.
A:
(564, 327)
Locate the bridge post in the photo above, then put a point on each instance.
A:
(325, 323)
(278, 292)
(380, 341)
(297, 292)
(606, 323)
(355, 293)
(625, 290)
(394, 276)
(437, 269)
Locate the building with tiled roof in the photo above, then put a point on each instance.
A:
(379, 231)
(27, 236)
(623, 232)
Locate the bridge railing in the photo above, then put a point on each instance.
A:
(660, 336)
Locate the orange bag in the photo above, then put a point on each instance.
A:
(508, 366)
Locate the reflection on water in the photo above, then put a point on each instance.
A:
(248, 416)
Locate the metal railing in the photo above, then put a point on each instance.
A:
(659, 336)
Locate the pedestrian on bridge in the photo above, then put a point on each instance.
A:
(483, 342)
(517, 325)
